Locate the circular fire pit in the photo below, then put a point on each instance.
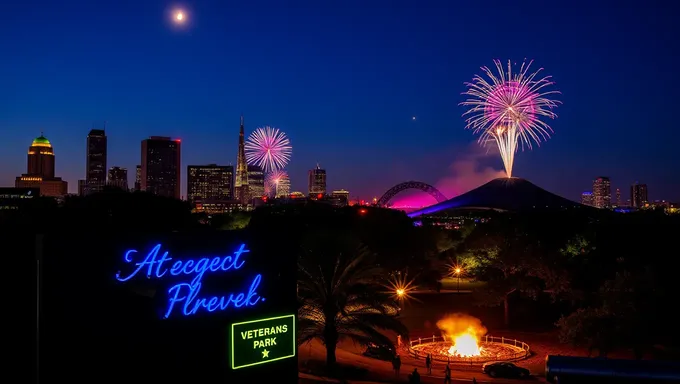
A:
(490, 349)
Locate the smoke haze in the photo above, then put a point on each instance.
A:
(467, 172)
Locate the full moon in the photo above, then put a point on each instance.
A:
(179, 16)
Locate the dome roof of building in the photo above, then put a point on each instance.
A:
(41, 141)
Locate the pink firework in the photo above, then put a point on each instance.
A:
(272, 179)
(507, 108)
(268, 148)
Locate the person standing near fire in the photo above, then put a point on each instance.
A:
(428, 363)
(447, 374)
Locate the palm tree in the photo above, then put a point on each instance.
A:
(342, 295)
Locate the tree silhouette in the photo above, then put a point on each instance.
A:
(341, 294)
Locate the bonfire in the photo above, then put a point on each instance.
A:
(465, 345)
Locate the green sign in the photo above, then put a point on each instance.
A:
(262, 341)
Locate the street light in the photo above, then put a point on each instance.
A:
(401, 292)
(458, 271)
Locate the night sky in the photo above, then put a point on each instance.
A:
(343, 79)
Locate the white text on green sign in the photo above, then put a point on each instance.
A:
(262, 341)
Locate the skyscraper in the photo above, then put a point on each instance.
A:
(95, 168)
(209, 183)
(317, 182)
(602, 192)
(41, 158)
(241, 182)
(118, 178)
(255, 181)
(40, 170)
(282, 187)
(618, 197)
(138, 178)
(638, 195)
(161, 166)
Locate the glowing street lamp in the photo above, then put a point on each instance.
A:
(457, 271)
(400, 292)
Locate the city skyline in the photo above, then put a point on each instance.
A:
(346, 103)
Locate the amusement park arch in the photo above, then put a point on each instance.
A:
(427, 188)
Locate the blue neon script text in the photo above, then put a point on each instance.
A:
(184, 297)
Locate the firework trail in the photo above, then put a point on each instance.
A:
(507, 108)
(268, 148)
(271, 181)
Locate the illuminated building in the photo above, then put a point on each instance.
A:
(118, 178)
(161, 169)
(618, 197)
(40, 173)
(209, 183)
(638, 195)
(602, 193)
(317, 182)
(138, 178)
(283, 187)
(241, 181)
(216, 207)
(340, 197)
(587, 198)
(17, 198)
(255, 181)
(95, 169)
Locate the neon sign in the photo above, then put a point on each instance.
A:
(184, 297)
(262, 341)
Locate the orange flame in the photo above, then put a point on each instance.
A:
(465, 331)
(465, 345)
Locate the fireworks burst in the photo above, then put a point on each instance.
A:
(268, 148)
(272, 180)
(507, 108)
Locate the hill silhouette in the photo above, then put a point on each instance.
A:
(505, 194)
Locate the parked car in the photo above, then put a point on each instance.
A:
(381, 352)
(503, 369)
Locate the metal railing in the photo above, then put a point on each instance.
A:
(472, 360)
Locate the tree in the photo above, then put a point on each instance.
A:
(511, 256)
(341, 294)
(593, 328)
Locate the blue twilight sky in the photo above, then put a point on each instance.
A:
(343, 79)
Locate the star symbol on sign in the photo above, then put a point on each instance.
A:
(265, 354)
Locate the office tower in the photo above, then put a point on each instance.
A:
(618, 197)
(282, 187)
(241, 182)
(255, 181)
(587, 198)
(118, 178)
(161, 166)
(317, 182)
(638, 195)
(602, 192)
(40, 170)
(209, 183)
(138, 178)
(95, 168)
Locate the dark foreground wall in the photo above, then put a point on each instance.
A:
(94, 327)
